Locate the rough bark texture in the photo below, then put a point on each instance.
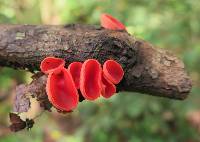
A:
(147, 69)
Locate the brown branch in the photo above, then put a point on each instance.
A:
(147, 69)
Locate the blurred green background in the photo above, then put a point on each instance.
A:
(126, 117)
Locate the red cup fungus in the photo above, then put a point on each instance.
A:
(90, 79)
(63, 84)
(113, 71)
(61, 90)
(109, 22)
(51, 64)
(75, 70)
(108, 88)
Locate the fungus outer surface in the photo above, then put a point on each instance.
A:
(108, 88)
(90, 79)
(109, 22)
(113, 71)
(75, 70)
(61, 90)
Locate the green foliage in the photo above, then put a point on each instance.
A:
(130, 117)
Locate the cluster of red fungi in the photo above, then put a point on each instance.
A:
(92, 80)
(88, 79)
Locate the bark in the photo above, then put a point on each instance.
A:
(147, 69)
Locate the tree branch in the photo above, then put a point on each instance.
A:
(147, 69)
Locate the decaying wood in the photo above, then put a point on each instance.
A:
(147, 69)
